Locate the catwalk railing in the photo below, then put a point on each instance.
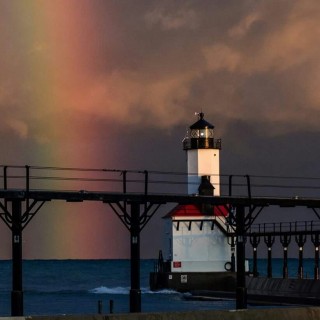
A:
(156, 182)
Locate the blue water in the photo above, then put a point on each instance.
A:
(75, 287)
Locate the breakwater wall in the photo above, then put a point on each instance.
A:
(311, 313)
(284, 287)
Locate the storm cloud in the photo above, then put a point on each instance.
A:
(116, 83)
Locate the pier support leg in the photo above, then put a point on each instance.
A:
(285, 263)
(255, 262)
(316, 263)
(135, 292)
(300, 266)
(269, 241)
(269, 268)
(17, 293)
(316, 242)
(241, 291)
(300, 240)
(255, 240)
(285, 241)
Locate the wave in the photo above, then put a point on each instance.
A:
(126, 290)
(163, 291)
(107, 290)
(98, 290)
(55, 292)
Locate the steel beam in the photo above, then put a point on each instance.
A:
(16, 230)
(135, 292)
(241, 290)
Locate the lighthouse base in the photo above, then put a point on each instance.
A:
(187, 281)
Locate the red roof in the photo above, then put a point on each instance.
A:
(191, 210)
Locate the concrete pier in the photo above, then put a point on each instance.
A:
(311, 313)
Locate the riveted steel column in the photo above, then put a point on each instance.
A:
(316, 263)
(285, 241)
(241, 291)
(285, 263)
(135, 292)
(17, 293)
(301, 240)
(300, 265)
(316, 242)
(269, 267)
(269, 241)
(254, 240)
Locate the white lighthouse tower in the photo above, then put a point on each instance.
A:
(200, 254)
(203, 155)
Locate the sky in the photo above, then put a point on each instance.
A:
(115, 84)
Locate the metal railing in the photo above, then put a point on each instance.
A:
(150, 181)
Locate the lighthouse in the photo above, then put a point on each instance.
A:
(200, 250)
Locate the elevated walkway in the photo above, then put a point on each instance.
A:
(135, 200)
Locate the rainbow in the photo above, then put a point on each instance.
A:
(56, 43)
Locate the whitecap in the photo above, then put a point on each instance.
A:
(163, 291)
(126, 290)
(107, 290)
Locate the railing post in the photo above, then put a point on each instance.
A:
(124, 181)
(248, 185)
(146, 181)
(5, 183)
(230, 185)
(124, 188)
(27, 185)
(5, 177)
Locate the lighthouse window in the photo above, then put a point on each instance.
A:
(201, 133)
(206, 133)
(194, 134)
